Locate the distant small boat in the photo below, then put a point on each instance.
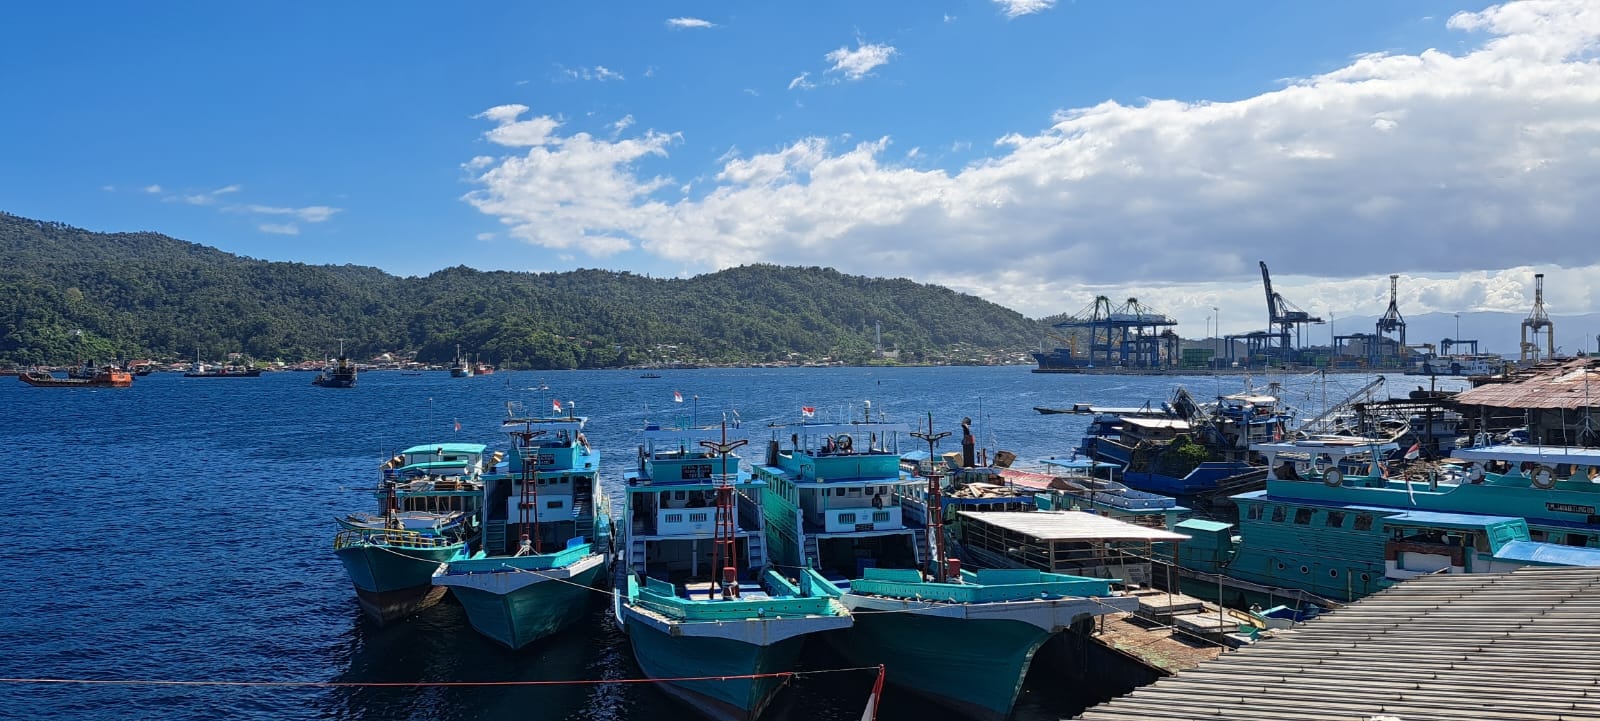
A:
(107, 377)
(460, 368)
(649, 375)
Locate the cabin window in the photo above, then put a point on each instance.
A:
(854, 491)
(1536, 535)
(1577, 539)
(1302, 516)
(1333, 573)
(697, 518)
(541, 481)
(564, 480)
(1304, 569)
(880, 516)
(680, 495)
(827, 491)
(674, 518)
(1255, 512)
(1336, 519)
(847, 518)
(1277, 514)
(1363, 522)
(552, 504)
(1366, 577)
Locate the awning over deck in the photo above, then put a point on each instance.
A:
(1070, 526)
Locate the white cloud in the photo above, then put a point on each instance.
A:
(279, 228)
(486, 236)
(599, 73)
(152, 189)
(684, 23)
(801, 82)
(949, 18)
(855, 64)
(309, 214)
(1018, 8)
(109, 188)
(1434, 165)
(206, 198)
(623, 124)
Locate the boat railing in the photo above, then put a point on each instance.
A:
(390, 537)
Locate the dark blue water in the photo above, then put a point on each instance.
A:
(181, 530)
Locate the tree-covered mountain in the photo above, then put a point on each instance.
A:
(68, 293)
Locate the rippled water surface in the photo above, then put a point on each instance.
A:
(181, 530)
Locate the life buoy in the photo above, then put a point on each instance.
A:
(1475, 473)
(1543, 477)
(1333, 477)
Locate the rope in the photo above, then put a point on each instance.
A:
(424, 684)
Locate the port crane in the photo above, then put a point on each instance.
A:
(1287, 317)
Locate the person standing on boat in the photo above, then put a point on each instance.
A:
(968, 443)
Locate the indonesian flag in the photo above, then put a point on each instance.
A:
(458, 424)
(677, 397)
(1414, 451)
(871, 712)
(808, 411)
(555, 405)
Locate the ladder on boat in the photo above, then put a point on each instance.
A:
(636, 555)
(919, 545)
(812, 555)
(494, 537)
(756, 549)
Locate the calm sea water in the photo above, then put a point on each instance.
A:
(181, 529)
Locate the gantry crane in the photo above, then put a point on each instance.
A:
(1286, 316)
(1538, 321)
(1391, 322)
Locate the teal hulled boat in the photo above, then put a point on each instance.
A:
(697, 596)
(1335, 523)
(429, 499)
(547, 537)
(837, 499)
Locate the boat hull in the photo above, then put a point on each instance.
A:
(392, 584)
(516, 608)
(969, 658)
(663, 655)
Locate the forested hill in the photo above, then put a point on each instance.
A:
(148, 295)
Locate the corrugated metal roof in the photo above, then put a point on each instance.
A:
(1070, 526)
(1519, 646)
(1569, 384)
(1549, 553)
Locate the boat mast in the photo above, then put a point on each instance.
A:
(527, 506)
(724, 552)
(935, 501)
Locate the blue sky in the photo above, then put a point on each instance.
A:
(1029, 152)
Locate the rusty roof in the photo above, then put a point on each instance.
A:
(1572, 383)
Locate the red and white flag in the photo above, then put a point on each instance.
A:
(871, 712)
(555, 405)
(808, 411)
(458, 424)
(1414, 452)
(677, 397)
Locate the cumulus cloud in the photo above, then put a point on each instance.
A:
(687, 23)
(1434, 165)
(801, 83)
(152, 189)
(1018, 8)
(855, 64)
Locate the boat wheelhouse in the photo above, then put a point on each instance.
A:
(696, 592)
(546, 536)
(429, 499)
(1335, 523)
(837, 499)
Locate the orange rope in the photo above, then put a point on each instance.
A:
(786, 675)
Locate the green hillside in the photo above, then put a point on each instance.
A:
(148, 295)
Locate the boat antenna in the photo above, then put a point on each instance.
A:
(724, 556)
(935, 501)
